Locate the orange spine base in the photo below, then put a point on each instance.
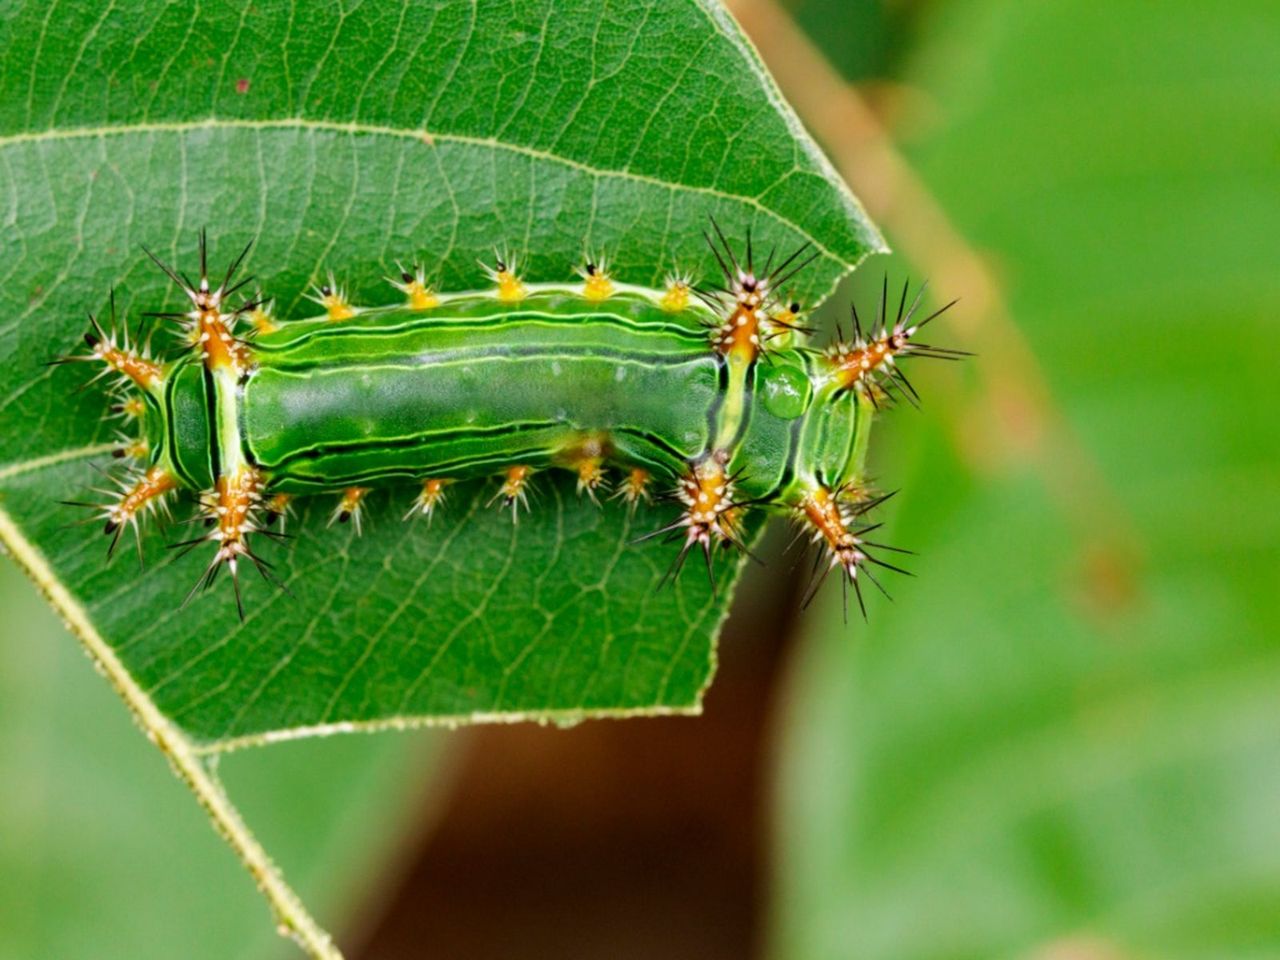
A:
(430, 497)
(349, 507)
(142, 494)
(125, 360)
(830, 517)
(206, 326)
(514, 492)
(231, 507)
(634, 488)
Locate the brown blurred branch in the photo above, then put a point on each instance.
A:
(1016, 419)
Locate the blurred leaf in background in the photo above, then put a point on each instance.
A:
(104, 853)
(1063, 740)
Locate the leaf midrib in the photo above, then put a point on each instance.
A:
(19, 467)
(427, 137)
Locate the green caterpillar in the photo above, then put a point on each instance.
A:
(703, 394)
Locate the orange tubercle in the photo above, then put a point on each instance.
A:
(586, 457)
(514, 491)
(349, 506)
(597, 285)
(516, 477)
(822, 511)
(510, 287)
(676, 297)
(236, 496)
(126, 361)
(590, 475)
(635, 487)
(506, 278)
(133, 408)
(418, 294)
(429, 497)
(853, 364)
(149, 488)
(278, 505)
(136, 448)
(261, 320)
(782, 321)
(707, 493)
(335, 304)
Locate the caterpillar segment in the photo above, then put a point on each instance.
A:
(630, 388)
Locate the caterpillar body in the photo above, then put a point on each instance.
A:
(706, 397)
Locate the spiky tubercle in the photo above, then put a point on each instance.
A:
(677, 289)
(868, 360)
(429, 498)
(597, 281)
(139, 494)
(711, 514)
(331, 296)
(418, 293)
(118, 353)
(233, 506)
(634, 488)
(509, 286)
(514, 491)
(350, 507)
(831, 517)
(208, 326)
(747, 300)
(131, 363)
(232, 509)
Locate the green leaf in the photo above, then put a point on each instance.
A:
(1045, 748)
(345, 141)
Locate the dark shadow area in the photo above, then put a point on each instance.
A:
(622, 839)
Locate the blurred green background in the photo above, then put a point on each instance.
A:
(1063, 740)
